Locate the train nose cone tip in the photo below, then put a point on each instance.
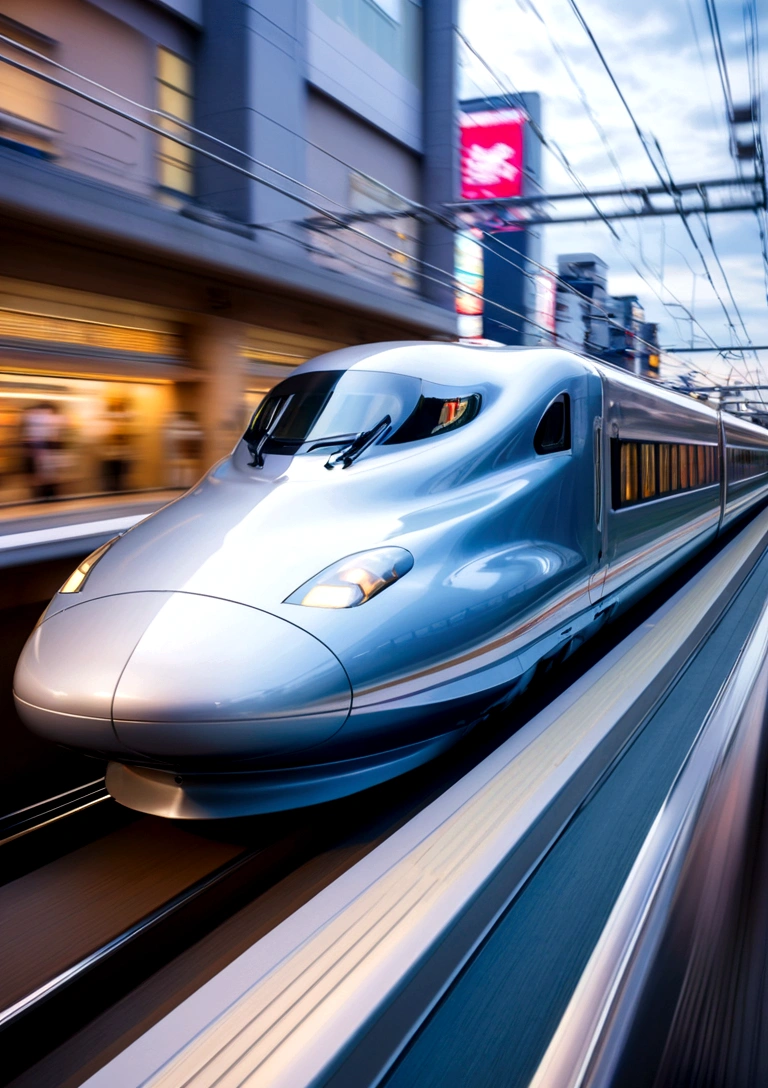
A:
(178, 676)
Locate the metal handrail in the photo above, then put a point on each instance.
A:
(658, 1002)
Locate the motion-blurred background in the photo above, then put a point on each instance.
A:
(198, 195)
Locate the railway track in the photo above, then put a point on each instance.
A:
(49, 811)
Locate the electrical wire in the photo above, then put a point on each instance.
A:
(201, 133)
(579, 183)
(323, 212)
(338, 221)
(550, 145)
(536, 128)
(669, 184)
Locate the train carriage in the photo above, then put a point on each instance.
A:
(403, 535)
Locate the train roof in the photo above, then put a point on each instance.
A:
(448, 362)
(445, 362)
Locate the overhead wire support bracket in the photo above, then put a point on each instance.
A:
(687, 198)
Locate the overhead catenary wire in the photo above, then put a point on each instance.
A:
(324, 212)
(201, 133)
(451, 284)
(622, 227)
(668, 184)
(529, 5)
(752, 45)
(537, 131)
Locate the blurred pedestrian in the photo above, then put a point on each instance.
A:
(116, 449)
(184, 439)
(41, 440)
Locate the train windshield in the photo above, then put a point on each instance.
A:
(329, 404)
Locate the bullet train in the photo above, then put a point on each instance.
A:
(405, 533)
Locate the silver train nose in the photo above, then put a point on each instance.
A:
(176, 675)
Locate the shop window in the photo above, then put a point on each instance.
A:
(27, 103)
(174, 97)
(554, 430)
(642, 471)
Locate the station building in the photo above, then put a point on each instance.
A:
(152, 290)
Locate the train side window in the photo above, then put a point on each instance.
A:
(554, 430)
(664, 468)
(648, 469)
(641, 471)
(746, 464)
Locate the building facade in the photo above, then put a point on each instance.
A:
(582, 303)
(502, 158)
(196, 196)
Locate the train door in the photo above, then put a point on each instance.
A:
(597, 579)
(599, 497)
(661, 493)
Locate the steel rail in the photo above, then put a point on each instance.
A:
(49, 811)
(59, 981)
(665, 945)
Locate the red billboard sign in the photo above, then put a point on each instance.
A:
(492, 154)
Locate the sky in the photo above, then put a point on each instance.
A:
(661, 54)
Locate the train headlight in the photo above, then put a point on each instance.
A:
(354, 580)
(77, 578)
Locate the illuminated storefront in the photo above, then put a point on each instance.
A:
(88, 395)
(100, 395)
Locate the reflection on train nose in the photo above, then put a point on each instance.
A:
(157, 671)
(66, 676)
(265, 685)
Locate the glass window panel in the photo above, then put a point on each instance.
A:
(169, 100)
(628, 472)
(648, 457)
(701, 465)
(693, 476)
(174, 175)
(684, 476)
(674, 468)
(173, 70)
(664, 469)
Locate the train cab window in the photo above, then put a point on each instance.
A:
(310, 413)
(642, 471)
(315, 409)
(437, 415)
(554, 430)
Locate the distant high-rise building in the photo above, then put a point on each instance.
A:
(649, 349)
(625, 332)
(500, 159)
(581, 322)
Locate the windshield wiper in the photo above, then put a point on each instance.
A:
(352, 449)
(256, 448)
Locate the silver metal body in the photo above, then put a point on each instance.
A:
(180, 661)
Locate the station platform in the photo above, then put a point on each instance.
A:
(38, 531)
